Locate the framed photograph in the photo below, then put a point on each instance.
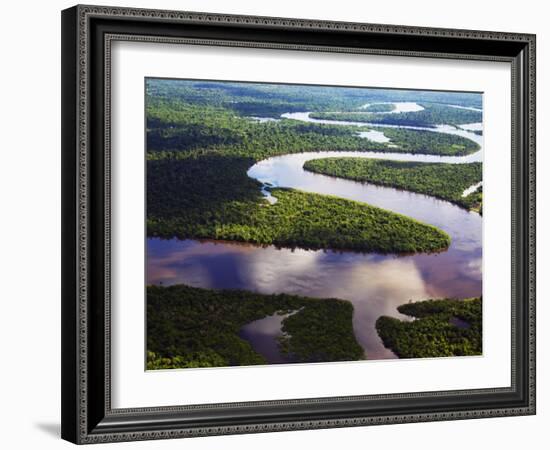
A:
(281, 224)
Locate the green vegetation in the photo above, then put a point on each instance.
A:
(197, 186)
(182, 128)
(192, 327)
(175, 127)
(321, 331)
(183, 118)
(429, 142)
(271, 100)
(256, 99)
(203, 358)
(211, 197)
(432, 115)
(444, 327)
(445, 181)
(379, 107)
(200, 143)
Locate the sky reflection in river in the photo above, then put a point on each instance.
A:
(376, 284)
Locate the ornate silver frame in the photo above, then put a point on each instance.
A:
(88, 32)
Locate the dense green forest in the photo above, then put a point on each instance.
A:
(428, 142)
(175, 126)
(193, 327)
(213, 198)
(197, 185)
(446, 327)
(445, 181)
(432, 115)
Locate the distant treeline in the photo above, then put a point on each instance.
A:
(267, 99)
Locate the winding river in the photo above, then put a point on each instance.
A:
(376, 284)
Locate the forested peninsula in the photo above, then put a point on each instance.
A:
(444, 181)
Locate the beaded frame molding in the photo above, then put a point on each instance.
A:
(87, 35)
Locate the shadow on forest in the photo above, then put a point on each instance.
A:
(205, 183)
(188, 136)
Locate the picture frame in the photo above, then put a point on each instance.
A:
(88, 33)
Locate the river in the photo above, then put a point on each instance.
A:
(375, 284)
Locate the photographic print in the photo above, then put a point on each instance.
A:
(305, 224)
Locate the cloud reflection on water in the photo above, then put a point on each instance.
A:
(375, 284)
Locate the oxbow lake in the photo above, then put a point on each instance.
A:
(376, 284)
